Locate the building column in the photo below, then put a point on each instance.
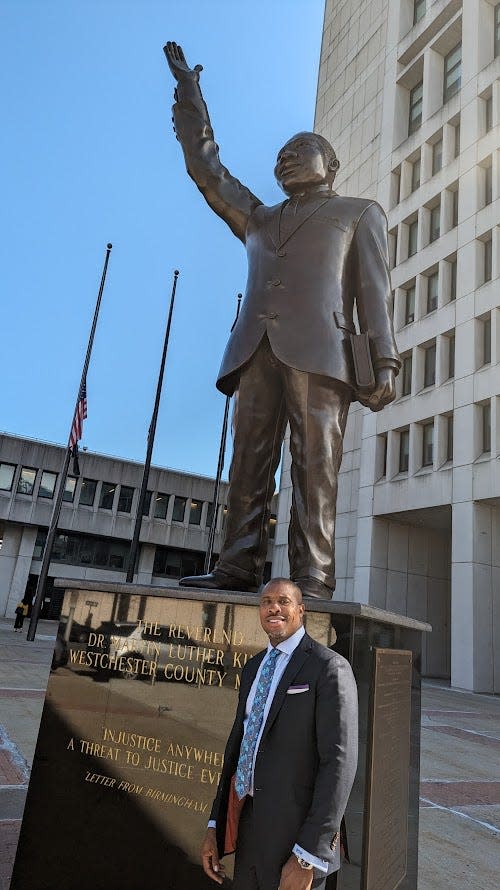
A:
(475, 596)
(21, 568)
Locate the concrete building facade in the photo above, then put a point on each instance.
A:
(97, 521)
(409, 95)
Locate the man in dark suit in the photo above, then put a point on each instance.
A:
(311, 260)
(290, 758)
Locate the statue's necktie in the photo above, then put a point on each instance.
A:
(243, 781)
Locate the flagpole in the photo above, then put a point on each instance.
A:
(220, 467)
(134, 546)
(54, 519)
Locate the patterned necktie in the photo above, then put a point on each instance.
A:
(243, 781)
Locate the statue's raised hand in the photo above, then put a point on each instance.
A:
(177, 60)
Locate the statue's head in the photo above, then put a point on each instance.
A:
(307, 159)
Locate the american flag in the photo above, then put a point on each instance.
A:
(80, 416)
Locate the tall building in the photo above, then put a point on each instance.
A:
(97, 521)
(409, 95)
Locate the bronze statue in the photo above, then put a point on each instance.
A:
(311, 260)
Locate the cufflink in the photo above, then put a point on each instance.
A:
(303, 863)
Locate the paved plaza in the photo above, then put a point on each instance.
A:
(460, 779)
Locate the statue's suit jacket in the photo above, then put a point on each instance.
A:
(306, 760)
(301, 291)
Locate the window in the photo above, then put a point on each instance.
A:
(404, 451)
(393, 247)
(107, 495)
(26, 482)
(272, 526)
(428, 444)
(125, 499)
(406, 375)
(456, 151)
(437, 156)
(488, 184)
(488, 113)
(47, 485)
(449, 438)
(453, 279)
(487, 259)
(430, 366)
(454, 208)
(69, 489)
(451, 356)
(179, 509)
(418, 10)
(161, 505)
(487, 340)
(432, 291)
(383, 439)
(87, 492)
(452, 72)
(85, 550)
(410, 304)
(195, 513)
(497, 30)
(413, 237)
(415, 114)
(177, 563)
(415, 174)
(210, 514)
(6, 476)
(146, 507)
(486, 410)
(435, 223)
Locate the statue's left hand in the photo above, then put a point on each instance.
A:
(177, 60)
(384, 392)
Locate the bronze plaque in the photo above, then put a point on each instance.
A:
(387, 773)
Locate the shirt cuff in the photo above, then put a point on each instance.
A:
(303, 854)
(212, 823)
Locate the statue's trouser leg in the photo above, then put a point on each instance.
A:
(317, 410)
(259, 433)
(270, 393)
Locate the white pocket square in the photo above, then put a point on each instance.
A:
(294, 690)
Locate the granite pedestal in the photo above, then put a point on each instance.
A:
(134, 726)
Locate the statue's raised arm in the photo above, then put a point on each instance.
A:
(231, 200)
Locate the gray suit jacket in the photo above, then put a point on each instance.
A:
(302, 288)
(306, 761)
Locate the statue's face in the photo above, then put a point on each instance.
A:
(302, 163)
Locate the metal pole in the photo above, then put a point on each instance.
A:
(54, 519)
(220, 467)
(151, 438)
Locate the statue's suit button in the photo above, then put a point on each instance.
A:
(273, 315)
(281, 253)
(276, 282)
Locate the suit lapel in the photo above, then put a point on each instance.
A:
(302, 216)
(293, 667)
(274, 222)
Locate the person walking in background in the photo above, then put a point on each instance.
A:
(21, 612)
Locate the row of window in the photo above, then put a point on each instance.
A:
(429, 281)
(428, 444)
(452, 81)
(418, 366)
(430, 289)
(108, 494)
(484, 194)
(420, 8)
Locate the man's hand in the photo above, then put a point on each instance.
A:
(293, 877)
(384, 392)
(210, 858)
(177, 60)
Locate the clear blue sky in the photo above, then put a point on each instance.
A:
(87, 155)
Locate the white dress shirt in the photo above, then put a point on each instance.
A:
(286, 649)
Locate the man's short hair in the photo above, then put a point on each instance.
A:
(326, 147)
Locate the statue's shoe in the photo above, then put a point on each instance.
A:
(313, 589)
(217, 580)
